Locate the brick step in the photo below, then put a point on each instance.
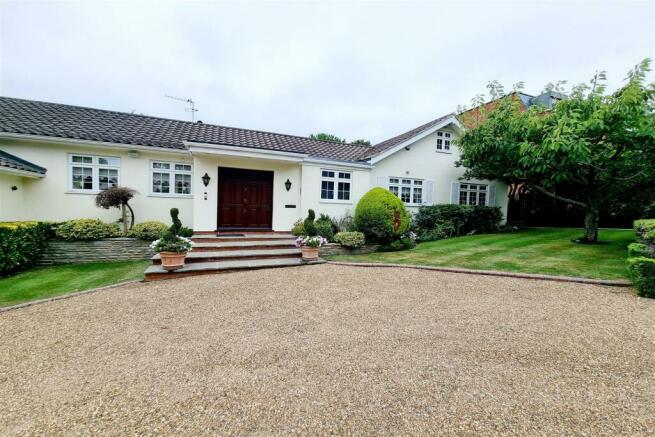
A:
(245, 237)
(156, 272)
(218, 245)
(224, 255)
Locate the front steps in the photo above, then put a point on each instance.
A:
(220, 254)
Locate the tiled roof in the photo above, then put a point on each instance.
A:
(76, 122)
(391, 142)
(10, 161)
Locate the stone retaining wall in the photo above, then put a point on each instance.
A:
(336, 249)
(109, 249)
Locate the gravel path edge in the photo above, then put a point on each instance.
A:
(67, 295)
(610, 282)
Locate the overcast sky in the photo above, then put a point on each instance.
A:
(355, 69)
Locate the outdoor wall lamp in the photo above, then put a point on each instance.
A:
(287, 184)
(206, 179)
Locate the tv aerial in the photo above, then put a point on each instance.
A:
(191, 108)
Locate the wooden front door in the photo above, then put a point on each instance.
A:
(245, 199)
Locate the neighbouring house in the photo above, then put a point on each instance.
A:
(54, 158)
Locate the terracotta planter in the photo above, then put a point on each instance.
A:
(172, 260)
(309, 253)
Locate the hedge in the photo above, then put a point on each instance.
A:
(21, 245)
(645, 230)
(642, 271)
(436, 222)
(87, 229)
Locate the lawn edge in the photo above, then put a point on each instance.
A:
(66, 295)
(608, 282)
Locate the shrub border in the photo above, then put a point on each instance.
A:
(608, 282)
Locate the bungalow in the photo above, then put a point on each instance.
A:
(54, 158)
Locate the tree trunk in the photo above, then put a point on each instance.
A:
(591, 226)
(131, 214)
(124, 216)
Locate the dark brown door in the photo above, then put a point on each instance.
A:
(245, 199)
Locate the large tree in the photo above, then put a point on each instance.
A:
(600, 146)
(327, 137)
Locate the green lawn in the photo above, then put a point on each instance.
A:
(548, 251)
(45, 282)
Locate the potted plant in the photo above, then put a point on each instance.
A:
(310, 246)
(172, 249)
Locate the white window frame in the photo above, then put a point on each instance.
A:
(95, 167)
(336, 179)
(171, 171)
(470, 192)
(444, 141)
(397, 184)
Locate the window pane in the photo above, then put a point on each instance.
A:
(114, 162)
(107, 178)
(447, 145)
(327, 174)
(161, 165)
(183, 167)
(418, 195)
(82, 178)
(327, 190)
(343, 192)
(83, 159)
(473, 187)
(439, 143)
(473, 198)
(463, 197)
(447, 134)
(183, 183)
(393, 180)
(407, 181)
(417, 182)
(344, 175)
(394, 190)
(440, 134)
(405, 194)
(463, 186)
(160, 183)
(482, 198)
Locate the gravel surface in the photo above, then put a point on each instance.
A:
(332, 350)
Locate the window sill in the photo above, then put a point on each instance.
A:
(342, 202)
(445, 152)
(171, 196)
(89, 192)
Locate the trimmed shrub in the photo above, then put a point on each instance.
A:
(642, 271)
(639, 249)
(381, 216)
(309, 225)
(643, 227)
(436, 222)
(21, 245)
(298, 228)
(403, 243)
(87, 229)
(350, 240)
(149, 231)
(324, 229)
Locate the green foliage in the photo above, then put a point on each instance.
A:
(345, 223)
(298, 228)
(381, 216)
(21, 245)
(639, 249)
(177, 224)
(185, 232)
(350, 240)
(117, 197)
(645, 230)
(327, 137)
(435, 222)
(171, 243)
(602, 145)
(362, 142)
(87, 229)
(403, 243)
(309, 225)
(324, 229)
(149, 231)
(642, 272)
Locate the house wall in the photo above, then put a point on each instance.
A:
(11, 202)
(206, 210)
(422, 161)
(311, 190)
(49, 199)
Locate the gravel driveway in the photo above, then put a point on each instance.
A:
(332, 349)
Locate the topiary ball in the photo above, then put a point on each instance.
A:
(381, 216)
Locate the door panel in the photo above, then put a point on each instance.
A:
(245, 198)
